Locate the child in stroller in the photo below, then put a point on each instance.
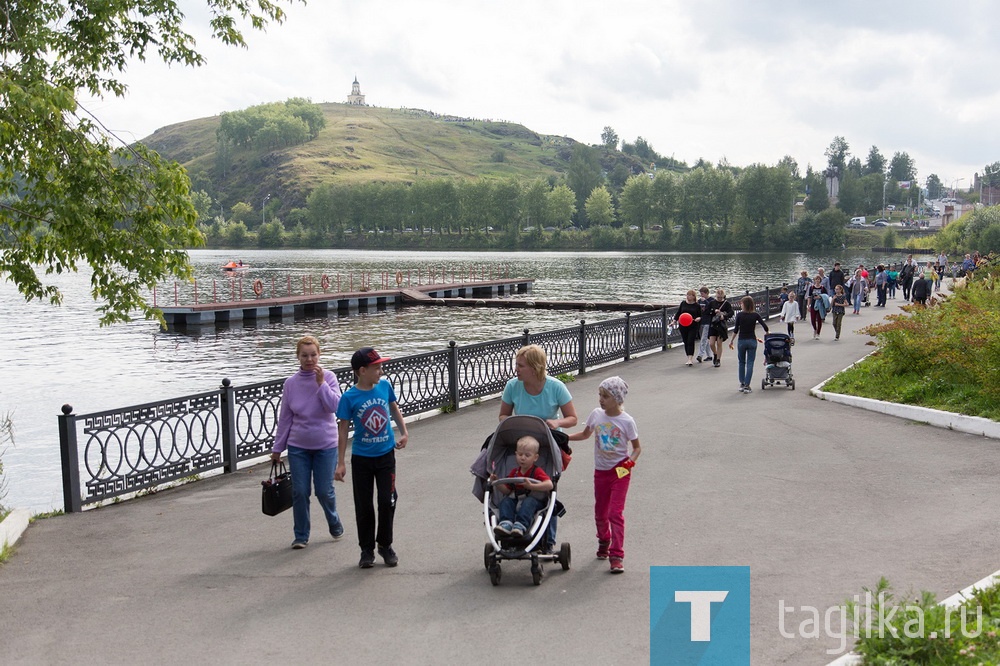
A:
(533, 492)
(777, 361)
(513, 449)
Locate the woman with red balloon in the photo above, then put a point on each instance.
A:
(688, 317)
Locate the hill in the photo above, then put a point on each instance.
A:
(366, 144)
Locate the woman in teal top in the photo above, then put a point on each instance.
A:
(532, 392)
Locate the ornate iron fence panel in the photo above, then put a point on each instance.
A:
(130, 449)
(562, 348)
(605, 342)
(256, 417)
(485, 368)
(421, 382)
(647, 332)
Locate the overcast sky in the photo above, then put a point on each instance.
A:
(741, 80)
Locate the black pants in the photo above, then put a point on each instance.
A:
(690, 335)
(907, 285)
(374, 475)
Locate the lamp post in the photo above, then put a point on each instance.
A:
(263, 210)
(954, 183)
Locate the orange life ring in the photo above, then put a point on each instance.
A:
(325, 282)
(258, 287)
(399, 278)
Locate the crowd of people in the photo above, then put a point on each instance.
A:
(704, 321)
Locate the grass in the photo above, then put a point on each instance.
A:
(6, 552)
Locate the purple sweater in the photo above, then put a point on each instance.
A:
(306, 419)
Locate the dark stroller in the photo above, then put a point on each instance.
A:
(777, 361)
(500, 459)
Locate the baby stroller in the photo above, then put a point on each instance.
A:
(777, 361)
(500, 459)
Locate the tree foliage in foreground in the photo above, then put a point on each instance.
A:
(70, 191)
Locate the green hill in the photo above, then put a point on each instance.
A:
(366, 144)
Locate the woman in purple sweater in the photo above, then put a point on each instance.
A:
(307, 429)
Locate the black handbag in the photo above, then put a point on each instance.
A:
(277, 493)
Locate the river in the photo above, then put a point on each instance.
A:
(52, 356)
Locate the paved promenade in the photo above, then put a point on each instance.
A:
(819, 499)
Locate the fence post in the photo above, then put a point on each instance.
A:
(526, 338)
(663, 326)
(70, 455)
(227, 402)
(582, 348)
(628, 335)
(453, 374)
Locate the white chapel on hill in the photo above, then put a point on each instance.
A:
(356, 98)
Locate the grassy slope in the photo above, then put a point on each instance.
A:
(365, 144)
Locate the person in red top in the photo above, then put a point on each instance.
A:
(514, 518)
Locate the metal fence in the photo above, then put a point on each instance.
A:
(119, 452)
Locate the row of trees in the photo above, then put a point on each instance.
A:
(705, 208)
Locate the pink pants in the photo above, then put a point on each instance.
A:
(609, 508)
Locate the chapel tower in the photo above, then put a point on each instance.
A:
(356, 98)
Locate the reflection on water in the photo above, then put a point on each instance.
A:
(56, 355)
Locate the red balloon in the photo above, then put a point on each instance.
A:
(685, 319)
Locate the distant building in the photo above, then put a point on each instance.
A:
(356, 98)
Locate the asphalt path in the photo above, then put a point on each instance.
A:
(819, 499)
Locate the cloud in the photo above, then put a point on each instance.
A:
(748, 81)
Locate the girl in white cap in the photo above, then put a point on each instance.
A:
(615, 433)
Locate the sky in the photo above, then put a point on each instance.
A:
(734, 80)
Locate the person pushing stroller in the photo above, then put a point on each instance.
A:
(523, 500)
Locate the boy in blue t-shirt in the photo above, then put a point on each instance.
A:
(369, 404)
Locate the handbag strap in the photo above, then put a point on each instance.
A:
(277, 469)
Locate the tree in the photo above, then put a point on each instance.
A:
(934, 186)
(71, 192)
(599, 208)
(836, 154)
(609, 138)
(875, 163)
(823, 231)
(991, 175)
(818, 199)
(635, 204)
(584, 173)
(561, 206)
(902, 167)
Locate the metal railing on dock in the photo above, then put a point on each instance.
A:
(120, 452)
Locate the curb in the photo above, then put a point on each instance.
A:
(973, 425)
(13, 527)
(955, 600)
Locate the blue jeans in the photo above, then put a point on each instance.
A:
(746, 352)
(313, 467)
(523, 513)
(857, 302)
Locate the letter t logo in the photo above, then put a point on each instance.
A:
(701, 610)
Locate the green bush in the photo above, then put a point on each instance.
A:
(925, 356)
(893, 631)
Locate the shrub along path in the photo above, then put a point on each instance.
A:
(819, 499)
